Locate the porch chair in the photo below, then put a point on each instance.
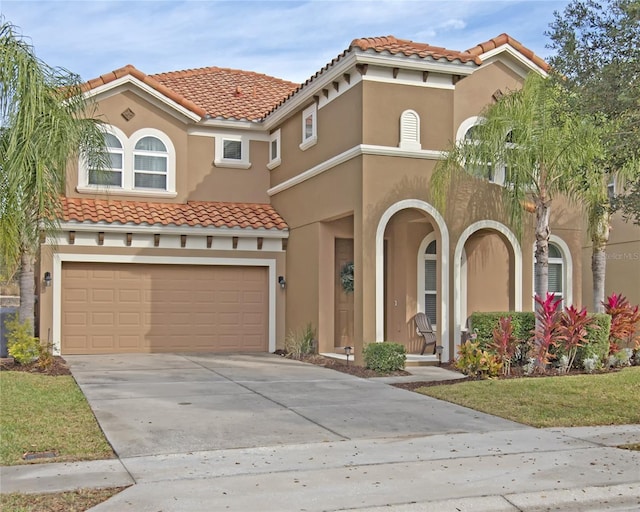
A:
(424, 329)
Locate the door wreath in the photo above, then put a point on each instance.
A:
(346, 277)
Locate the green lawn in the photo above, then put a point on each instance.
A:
(72, 501)
(569, 401)
(43, 413)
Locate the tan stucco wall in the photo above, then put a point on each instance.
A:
(196, 176)
(623, 263)
(339, 128)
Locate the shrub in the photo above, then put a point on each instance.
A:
(573, 333)
(597, 344)
(625, 320)
(547, 332)
(385, 357)
(505, 343)
(21, 345)
(474, 361)
(301, 342)
(483, 324)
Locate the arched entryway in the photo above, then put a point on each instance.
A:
(487, 272)
(404, 232)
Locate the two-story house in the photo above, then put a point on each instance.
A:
(236, 204)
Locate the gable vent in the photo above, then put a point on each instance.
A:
(410, 130)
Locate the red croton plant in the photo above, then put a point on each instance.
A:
(625, 320)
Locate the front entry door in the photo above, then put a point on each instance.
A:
(344, 316)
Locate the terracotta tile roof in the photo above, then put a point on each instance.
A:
(191, 214)
(409, 48)
(507, 39)
(150, 81)
(228, 93)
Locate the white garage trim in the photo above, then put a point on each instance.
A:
(58, 259)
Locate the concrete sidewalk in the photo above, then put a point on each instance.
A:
(523, 470)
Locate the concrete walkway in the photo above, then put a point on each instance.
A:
(506, 467)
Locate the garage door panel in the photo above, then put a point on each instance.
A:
(108, 308)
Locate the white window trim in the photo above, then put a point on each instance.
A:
(220, 161)
(567, 271)
(410, 144)
(128, 145)
(275, 162)
(421, 259)
(311, 110)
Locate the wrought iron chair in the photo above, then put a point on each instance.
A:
(424, 329)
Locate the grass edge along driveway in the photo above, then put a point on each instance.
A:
(567, 401)
(41, 413)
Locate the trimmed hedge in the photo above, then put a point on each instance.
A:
(598, 338)
(385, 357)
(483, 324)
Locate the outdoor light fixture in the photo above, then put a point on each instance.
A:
(47, 278)
(439, 349)
(347, 351)
(282, 282)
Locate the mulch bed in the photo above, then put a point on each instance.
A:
(58, 367)
(351, 369)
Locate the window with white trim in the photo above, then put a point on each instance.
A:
(274, 150)
(430, 282)
(410, 130)
(143, 164)
(309, 126)
(150, 163)
(111, 176)
(556, 277)
(232, 151)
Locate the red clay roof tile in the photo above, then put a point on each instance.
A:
(503, 39)
(192, 213)
(228, 93)
(394, 45)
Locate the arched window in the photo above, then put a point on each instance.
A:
(143, 164)
(410, 130)
(556, 277)
(111, 176)
(150, 159)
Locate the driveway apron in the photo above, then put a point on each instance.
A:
(154, 404)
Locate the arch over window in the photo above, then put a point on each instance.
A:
(150, 163)
(112, 175)
(560, 270)
(410, 130)
(143, 164)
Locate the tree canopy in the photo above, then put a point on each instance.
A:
(45, 123)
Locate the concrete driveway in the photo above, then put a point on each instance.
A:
(154, 404)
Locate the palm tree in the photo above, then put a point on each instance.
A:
(540, 146)
(44, 123)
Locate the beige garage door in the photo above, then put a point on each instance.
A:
(114, 308)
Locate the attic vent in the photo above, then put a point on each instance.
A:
(238, 91)
(128, 114)
(410, 130)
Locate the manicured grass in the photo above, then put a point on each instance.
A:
(569, 401)
(42, 413)
(74, 501)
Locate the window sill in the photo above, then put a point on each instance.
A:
(125, 192)
(273, 164)
(311, 141)
(233, 164)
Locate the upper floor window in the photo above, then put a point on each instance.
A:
(274, 150)
(150, 163)
(309, 126)
(111, 176)
(232, 151)
(410, 130)
(143, 164)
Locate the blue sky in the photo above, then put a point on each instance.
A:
(287, 39)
